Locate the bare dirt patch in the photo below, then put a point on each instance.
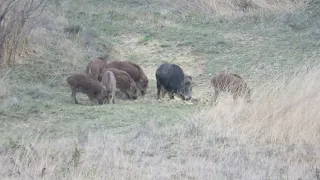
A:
(155, 51)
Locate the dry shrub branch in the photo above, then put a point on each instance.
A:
(17, 18)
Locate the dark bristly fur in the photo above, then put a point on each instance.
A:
(125, 84)
(95, 67)
(82, 83)
(172, 79)
(134, 71)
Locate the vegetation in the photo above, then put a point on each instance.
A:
(273, 45)
(16, 21)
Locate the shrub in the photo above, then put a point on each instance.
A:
(17, 18)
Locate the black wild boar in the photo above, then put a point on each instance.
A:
(172, 79)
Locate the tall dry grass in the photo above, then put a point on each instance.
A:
(233, 7)
(283, 112)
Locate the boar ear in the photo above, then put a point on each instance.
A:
(189, 77)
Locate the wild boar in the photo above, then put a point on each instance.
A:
(82, 83)
(232, 83)
(171, 78)
(108, 80)
(125, 84)
(135, 71)
(95, 67)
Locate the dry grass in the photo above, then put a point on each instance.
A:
(44, 136)
(282, 113)
(235, 7)
(274, 137)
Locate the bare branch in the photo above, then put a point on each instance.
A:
(17, 18)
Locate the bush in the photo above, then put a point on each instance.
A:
(17, 18)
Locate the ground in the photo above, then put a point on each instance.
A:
(44, 134)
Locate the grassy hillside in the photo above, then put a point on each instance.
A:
(274, 45)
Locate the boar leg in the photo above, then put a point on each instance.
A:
(110, 99)
(114, 95)
(164, 92)
(92, 98)
(73, 95)
(159, 89)
(128, 95)
(113, 98)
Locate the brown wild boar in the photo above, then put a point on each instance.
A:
(108, 80)
(95, 67)
(82, 83)
(134, 70)
(125, 84)
(231, 83)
